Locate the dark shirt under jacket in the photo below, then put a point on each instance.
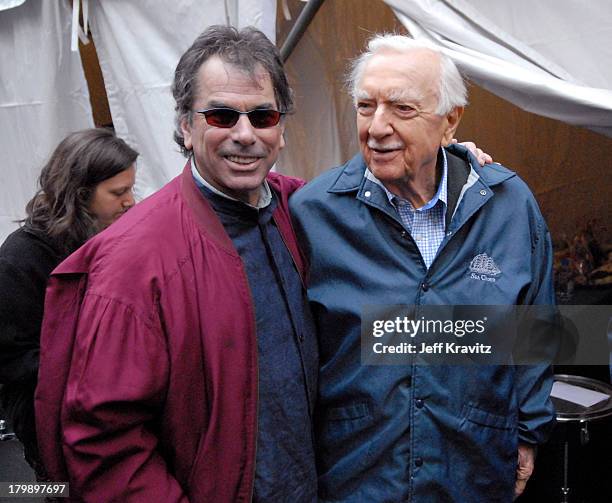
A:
(286, 344)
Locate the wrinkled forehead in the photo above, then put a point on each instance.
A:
(392, 95)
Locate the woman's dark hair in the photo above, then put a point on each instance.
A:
(245, 49)
(60, 208)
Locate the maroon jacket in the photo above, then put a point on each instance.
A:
(148, 372)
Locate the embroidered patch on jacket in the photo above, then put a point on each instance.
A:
(484, 268)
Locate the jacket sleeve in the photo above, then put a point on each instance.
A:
(21, 308)
(534, 382)
(115, 392)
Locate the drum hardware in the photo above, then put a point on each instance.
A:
(570, 414)
(565, 490)
(584, 433)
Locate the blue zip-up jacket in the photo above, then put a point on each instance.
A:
(413, 432)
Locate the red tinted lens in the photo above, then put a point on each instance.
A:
(264, 118)
(221, 117)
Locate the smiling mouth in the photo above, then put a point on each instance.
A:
(379, 148)
(244, 160)
(384, 153)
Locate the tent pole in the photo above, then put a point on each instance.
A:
(298, 29)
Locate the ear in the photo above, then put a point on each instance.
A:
(453, 118)
(282, 136)
(186, 130)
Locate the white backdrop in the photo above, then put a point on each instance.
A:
(139, 43)
(548, 57)
(43, 97)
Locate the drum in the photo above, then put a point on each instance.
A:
(572, 412)
(576, 464)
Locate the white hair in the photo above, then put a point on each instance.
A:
(452, 91)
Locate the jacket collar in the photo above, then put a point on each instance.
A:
(204, 215)
(351, 176)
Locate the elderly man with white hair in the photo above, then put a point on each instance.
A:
(408, 221)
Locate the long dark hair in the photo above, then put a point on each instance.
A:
(60, 208)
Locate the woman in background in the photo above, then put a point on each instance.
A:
(85, 186)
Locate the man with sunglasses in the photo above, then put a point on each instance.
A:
(182, 363)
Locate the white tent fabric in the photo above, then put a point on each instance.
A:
(549, 58)
(43, 97)
(139, 44)
(9, 4)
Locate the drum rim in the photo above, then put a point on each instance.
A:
(592, 384)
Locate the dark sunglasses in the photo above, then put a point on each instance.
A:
(259, 118)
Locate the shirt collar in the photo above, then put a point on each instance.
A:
(265, 196)
(440, 195)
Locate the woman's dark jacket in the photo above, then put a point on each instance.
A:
(27, 258)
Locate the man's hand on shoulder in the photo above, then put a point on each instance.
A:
(483, 157)
(524, 469)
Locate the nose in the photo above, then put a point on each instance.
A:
(243, 131)
(380, 126)
(129, 201)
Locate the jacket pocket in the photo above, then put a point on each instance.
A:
(486, 418)
(355, 411)
(485, 455)
(343, 445)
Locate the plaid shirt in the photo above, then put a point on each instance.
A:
(427, 223)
